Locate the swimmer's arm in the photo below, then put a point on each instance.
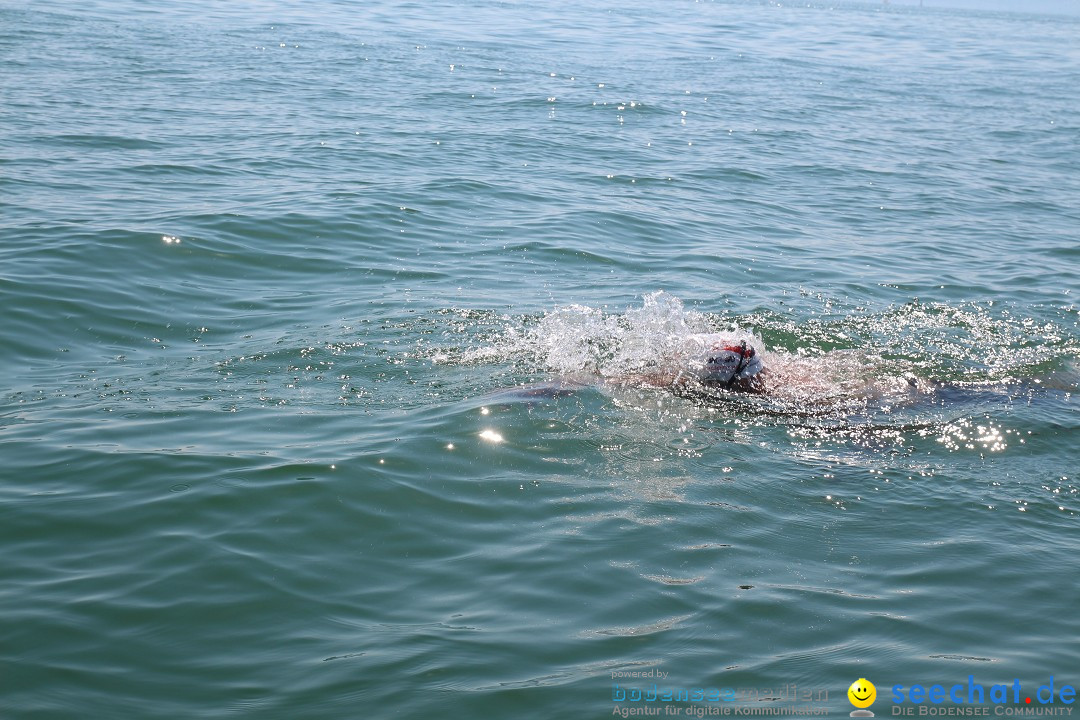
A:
(682, 381)
(654, 380)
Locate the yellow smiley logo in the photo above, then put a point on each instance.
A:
(862, 693)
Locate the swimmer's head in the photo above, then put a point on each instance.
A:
(719, 359)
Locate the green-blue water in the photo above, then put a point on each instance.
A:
(272, 275)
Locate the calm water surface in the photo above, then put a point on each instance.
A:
(273, 277)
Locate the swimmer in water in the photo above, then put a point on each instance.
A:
(708, 361)
(707, 366)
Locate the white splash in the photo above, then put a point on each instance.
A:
(647, 338)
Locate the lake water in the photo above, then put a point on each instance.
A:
(277, 279)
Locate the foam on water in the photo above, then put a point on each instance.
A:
(644, 338)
